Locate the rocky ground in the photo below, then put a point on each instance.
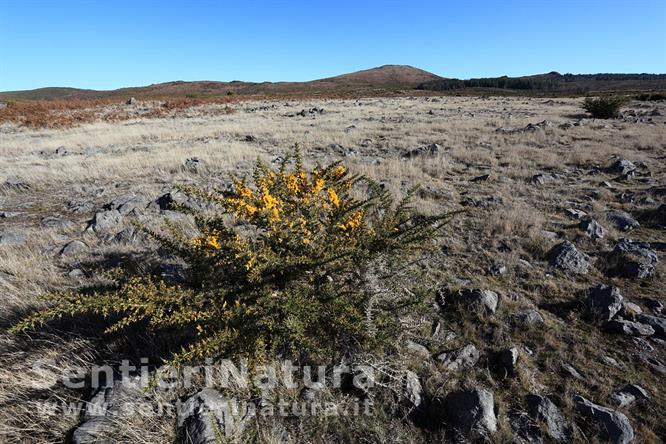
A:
(547, 291)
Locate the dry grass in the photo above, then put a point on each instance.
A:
(113, 149)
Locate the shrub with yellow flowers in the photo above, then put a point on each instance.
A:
(276, 268)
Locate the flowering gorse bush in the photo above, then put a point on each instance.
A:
(276, 269)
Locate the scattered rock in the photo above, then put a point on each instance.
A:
(15, 184)
(621, 166)
(656, 322)
(106, 221)
(417, 349)
(629, 394)
(592, 228)
(630, 328)
(615, 426)
(104, 409)
(130, 101)
(524, 429)
(57, 223)
(505, 362)
(571, 371)
(543, 410)
(656, 306)
(129, 204)
(427, 150)
(74, 248)
(478, 298)
(472, 412)
(126, 237)
(12, 238)
(622, 220)
(413, 389)
(603, 302)
(540, 179)
(175, 198)
(529, 317)
(633, 259)
(575, 214)
(566, 256)
(498, 269)
(193, 164)
(208, 414)
(462, 358)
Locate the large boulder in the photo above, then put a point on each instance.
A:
(615, 426)
(208, 414)
(74, 248)
(459, 359)
(566, 256)
(472, 413)
(632, 259)
(543, 409)
(603, 302)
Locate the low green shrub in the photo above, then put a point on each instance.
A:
(604, 107)
(278, 268)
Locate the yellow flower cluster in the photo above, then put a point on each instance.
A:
(353, 223)
(211, 241)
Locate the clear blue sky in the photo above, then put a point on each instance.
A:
(116, 43)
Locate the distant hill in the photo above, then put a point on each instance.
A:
(555, 82)
(383, 79)
(387, 77)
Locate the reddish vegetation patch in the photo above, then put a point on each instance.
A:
(70, 113)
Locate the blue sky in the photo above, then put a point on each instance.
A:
(116, 43)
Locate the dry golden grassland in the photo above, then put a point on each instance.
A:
(508, 220)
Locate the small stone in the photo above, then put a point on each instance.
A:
(459, 359)
(630, 310)
(417, 349)
(106, 221)
(413, 389)
(12, 238)
(633, 259)
(130, 101)
(592, 228)
(622, 220)
(621, 166)
(629, 328)
(615, 426)
(543, 409)
(506, 360)
(529, 317)
(472, 412)
(485, 299)
(656, 322)
(656, 306)
(541, 179)
(569, 369)
(207, 415)
(74, 248)
(603, 302)
(629, 394)
(575, 214)
(566, 256)
(193, 164)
